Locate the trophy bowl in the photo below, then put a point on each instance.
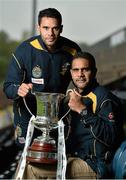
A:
(43, 148)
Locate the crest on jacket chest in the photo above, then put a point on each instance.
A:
(37, 72)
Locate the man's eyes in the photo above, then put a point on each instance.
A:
(82, 69)
(57, 28)
(54, 29)
(46, 28)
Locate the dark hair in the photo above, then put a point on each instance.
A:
(88, 56)
(50, 12)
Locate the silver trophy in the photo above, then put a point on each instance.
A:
(43, 148)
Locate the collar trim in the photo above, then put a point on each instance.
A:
(35, 43)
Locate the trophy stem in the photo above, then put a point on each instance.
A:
(45, 137)
(45, 133)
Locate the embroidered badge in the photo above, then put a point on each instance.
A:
(64, 68)
(37, 72)
(111, 116)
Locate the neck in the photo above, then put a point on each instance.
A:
(51, 48)
(80, 90)
(87, 89)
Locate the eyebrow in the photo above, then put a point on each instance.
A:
(84, 68)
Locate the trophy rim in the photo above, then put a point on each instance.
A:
(46, 93)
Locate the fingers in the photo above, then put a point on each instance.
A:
(24, 89)
(30, 85)
(74, 94)
(75, 101)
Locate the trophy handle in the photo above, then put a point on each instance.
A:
(27, 106)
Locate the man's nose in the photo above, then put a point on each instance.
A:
(80, 72)
(51, 31)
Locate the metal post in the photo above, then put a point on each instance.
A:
(34, 5)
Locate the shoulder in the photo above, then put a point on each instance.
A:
(26, 44)
(68, 44)
(66, 40)
(104, 94)
(24, 51)
(101, 90)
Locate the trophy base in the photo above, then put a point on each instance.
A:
(42, 152)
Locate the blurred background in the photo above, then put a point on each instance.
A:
(97, 26)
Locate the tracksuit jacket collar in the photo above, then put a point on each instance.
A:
(86, 90)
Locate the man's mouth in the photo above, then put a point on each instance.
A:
(51, 39)
(81, 80)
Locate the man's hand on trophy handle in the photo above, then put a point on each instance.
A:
(75, 102)
(24, 89)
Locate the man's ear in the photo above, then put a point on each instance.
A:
(95, 71)
(38, 28)
(61, 28)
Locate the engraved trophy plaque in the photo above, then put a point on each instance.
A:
(43, 148)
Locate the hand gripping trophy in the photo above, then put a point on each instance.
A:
(43, 148)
